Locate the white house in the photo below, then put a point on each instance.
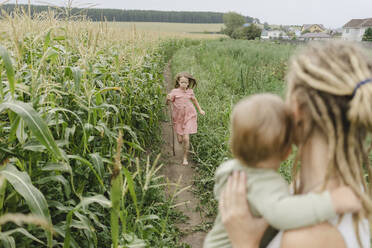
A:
(355, 28)
(273, 34)
(315, 36)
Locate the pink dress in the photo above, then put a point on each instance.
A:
(184, 114)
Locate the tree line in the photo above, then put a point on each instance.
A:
(119, 15)
(237, 28)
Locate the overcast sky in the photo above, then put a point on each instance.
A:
(330, 13)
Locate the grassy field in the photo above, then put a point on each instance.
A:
(186, 30)
(253, 67)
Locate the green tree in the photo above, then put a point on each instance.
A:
(247, 33)
(367, 35)
(232, 21)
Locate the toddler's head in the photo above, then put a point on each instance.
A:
(261, 128)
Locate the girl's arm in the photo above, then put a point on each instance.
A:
(197, 105)
(169, 98)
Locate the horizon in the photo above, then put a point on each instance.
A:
(292, 14)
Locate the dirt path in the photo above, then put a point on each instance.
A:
(173, 170)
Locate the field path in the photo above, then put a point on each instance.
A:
(172, 170)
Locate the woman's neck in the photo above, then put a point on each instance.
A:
(314, 163)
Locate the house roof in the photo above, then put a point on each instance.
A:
(307, 26)
(315, 35)
(359, 23)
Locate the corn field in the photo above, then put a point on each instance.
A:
(80, 105)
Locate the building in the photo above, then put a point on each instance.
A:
(296, 31)
(355, 28)
(315, 36)
(313, 28)
(273, 34)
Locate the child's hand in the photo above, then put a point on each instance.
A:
(202, 112)
(345, 201)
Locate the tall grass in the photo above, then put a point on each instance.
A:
(227, 71)
(70, 91)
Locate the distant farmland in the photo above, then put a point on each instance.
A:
(173, 27)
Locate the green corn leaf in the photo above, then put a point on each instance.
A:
(63, 167)
(129, 178)
(35, 200)
(21, 182)
(62, 233)
(47, 39)
(7, 241)
(3, 185)
(21, 132)
(35, 123)
(66, 243)
(86, 162)
(59, 179)
(25, 233)
(77, 74)
(98, 163)
(34, 145)
(9, 68)
(134, 241)
(116, 187)
(100, 199)
(13, 129)
(85, 224)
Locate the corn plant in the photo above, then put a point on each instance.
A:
(70, 91)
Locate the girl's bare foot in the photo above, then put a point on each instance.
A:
(185, 162)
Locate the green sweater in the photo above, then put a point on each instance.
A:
(269, 197)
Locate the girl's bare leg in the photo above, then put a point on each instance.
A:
(186, 144)
(179, 138)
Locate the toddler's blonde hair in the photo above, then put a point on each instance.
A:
(261, 127)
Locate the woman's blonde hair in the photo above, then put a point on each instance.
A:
(261, 128)
(192, 80)
(325, 80)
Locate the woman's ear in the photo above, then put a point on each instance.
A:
(302, 121)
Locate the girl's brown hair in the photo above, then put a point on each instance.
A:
(322, 79)
(192, 80)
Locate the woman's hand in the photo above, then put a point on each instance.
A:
(202, 112)
(243, 229)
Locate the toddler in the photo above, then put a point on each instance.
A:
(261, 137)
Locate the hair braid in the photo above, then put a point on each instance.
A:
(322, 74)
(330, 132)
(338, 68)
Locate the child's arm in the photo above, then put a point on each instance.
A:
(170, 97)
(345, 201)
(269, 194)
(195, 101)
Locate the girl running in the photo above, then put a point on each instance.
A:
(184, 115)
